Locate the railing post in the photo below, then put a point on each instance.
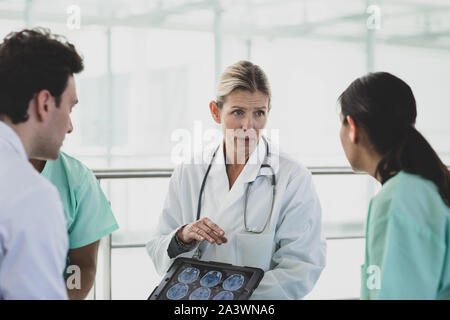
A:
(103, 278)
(102, 284)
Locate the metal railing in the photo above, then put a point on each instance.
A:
(166, 173)
(107, 245)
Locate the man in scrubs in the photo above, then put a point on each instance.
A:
(88, 218)
(37, 94)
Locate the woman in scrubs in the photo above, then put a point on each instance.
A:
(408, 224)
(244, 203)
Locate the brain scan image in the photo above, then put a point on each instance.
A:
(200, 294)
(177, 291)
(211, 279)
(189, 275)
(233, 282)
(224, 295)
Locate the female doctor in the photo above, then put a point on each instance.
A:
(247, 204)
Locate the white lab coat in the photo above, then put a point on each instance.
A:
(291, 250)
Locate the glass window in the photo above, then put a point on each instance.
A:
(151, 68)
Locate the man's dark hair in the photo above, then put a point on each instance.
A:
(32, 60)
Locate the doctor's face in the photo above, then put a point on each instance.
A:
(243, 116)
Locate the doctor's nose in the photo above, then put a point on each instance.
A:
(247, 123)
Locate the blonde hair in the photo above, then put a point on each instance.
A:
(243, 75)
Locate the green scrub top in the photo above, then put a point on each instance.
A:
(407, 242)
(87, 211)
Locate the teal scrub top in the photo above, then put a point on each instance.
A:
(87, 212)
(407, 242)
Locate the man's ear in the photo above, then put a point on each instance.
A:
(215, 111)
(354, 131)
(42, 101)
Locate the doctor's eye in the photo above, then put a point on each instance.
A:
(260, 113)
(238, 112)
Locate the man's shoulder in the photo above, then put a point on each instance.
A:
(19, 175)
(21, 184)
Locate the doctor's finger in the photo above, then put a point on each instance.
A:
(196, 236)
(217, 231)
(210, 232)
(213, 226)
(197, 230)
(191, 235)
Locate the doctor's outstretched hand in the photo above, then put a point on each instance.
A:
(201, 230)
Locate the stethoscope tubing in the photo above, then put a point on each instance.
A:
(264, 165)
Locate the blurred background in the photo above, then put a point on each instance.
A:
(151, 68)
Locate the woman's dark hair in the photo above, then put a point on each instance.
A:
(384, 106)
(32, 60)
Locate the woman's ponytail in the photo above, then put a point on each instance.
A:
(413, 154)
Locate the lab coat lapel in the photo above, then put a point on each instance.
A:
(224, 198)
(217, 183)
(228, 207)
(248, 174)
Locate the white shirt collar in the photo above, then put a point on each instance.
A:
(12, 140)
(253, 166)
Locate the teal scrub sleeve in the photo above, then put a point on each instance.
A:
(412, 262)
(93, 215)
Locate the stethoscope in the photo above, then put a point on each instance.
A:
(272, 178)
